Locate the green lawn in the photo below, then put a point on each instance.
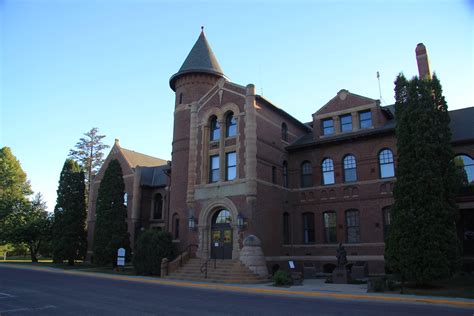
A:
(458, 286)
(79, 266)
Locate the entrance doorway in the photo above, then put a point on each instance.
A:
(221, 235)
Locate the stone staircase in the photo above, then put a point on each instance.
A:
(226, 271)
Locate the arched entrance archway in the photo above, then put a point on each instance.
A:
(221, 235)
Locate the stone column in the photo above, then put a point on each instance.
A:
(251, 141)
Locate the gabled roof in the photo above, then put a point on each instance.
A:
(154, 176)
(344, 100)
(135, 159)
(200, 59)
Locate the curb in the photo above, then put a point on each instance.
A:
(243, 289)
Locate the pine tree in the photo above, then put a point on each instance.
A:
(422, 245)
(89, 154)
(14, 187)
(69, 232)
(111, 231)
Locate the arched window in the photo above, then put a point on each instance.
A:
(284, 132)
(223, 217)
(175, 223)
(466, 165)
(125, 199)
(352, 226)
(330, 230)
(286, 228)
(308, 228)
(230, 125)
(328, 171)
(306, 174)
(158, 206)
(387, 221)
(386, 164)
(350, 168)
(285, 174)
(215, 130)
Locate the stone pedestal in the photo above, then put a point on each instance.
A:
(252, 256)
(340, 275)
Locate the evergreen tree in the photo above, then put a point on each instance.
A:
(422, 244)
(69, 233)
(111, 231)
(14, 187)
(89, 154)
(150, 249)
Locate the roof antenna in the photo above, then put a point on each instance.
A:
(380, 90)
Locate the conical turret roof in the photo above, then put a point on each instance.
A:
(200, 59)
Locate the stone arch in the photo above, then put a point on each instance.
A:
(204, 227)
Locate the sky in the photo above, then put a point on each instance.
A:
(67, 66)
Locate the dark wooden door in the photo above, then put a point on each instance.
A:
(221, 241)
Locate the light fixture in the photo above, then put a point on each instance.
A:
(192, 223)
(240, 221)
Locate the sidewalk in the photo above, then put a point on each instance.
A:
(315, 288)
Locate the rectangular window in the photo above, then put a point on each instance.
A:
(330, 227)
(365, 119)
(308, 228)
(231, 166)
(346, 123)
(214, 168)
(328, 127)
(353, 227)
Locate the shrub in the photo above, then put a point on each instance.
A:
(151, 247)
(378, 284)
(282, 278)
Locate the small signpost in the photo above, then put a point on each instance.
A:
(120, 258)
(291, 264)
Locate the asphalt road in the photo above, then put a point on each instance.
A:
(29, 292)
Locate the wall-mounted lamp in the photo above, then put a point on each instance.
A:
(192, 223)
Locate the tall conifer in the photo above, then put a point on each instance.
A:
(422, 245)
(111, 231)
(69, 232)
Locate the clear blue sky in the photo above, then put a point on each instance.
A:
(68, 66)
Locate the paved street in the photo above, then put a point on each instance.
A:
(29, 292)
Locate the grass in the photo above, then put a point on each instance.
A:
(78, 266)
(461, 285)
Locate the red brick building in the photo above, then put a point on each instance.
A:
(241, 166)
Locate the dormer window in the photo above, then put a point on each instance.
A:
(328, 126)
(346, 123)
(365, 119)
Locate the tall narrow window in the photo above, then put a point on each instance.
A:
(330, 234)
(328, 126)
(466, 166)
(215, 131)
(176, 226)
(231, 166)
(308, 228)
(306, 174)
(158, 206)
(350, 169)
(274, 174)
(284, 132)
(328, 171)
(286, 228)
(214, 171)
(365, 119)
(387, 221)
(180, 98)
(285, 174)
(230, 125)
(125, 199)
(386, 164)
(346, 123)
(352, 226)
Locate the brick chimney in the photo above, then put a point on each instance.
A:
(423, 62)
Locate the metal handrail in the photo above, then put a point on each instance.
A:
(185, 250)
(203, 268)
